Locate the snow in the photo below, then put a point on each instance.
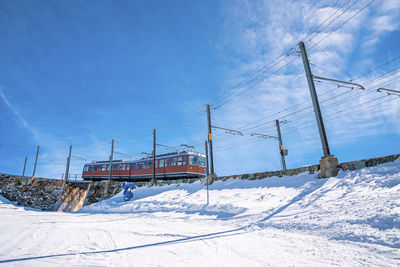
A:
(350, 220)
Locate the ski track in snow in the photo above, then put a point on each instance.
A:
(352, 220)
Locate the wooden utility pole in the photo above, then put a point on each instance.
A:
(23, 172)
(314, 97)
(34, 167)
(278, 129)
(68, 163)
(111, 158)
(211, 159)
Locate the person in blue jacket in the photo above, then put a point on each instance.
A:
(128, 187)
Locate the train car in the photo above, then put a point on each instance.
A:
(168, 166)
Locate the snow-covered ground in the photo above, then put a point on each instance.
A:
(351, 220)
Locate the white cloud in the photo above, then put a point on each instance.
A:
(384, 23)
(20, 119)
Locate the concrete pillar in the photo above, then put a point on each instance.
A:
(328, 167)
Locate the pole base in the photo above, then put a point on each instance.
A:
(211, 178)
(328, 167)
(152, 182)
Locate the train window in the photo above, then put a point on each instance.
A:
(202, 161)
(173, 162)
(193, 160)
(184, 160)
(179, 161)
(149, 164)
(167, 162)
(103, 168)
(123, 167)
(161, 163)
(128, 167)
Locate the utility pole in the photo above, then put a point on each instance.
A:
(68, 162)
(314, 97)
(278, 129)
(111, 158)
(154, 154)
(206, 157)
(23, 172)
(34, 167)
(210, 140)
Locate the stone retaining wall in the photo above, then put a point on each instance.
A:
(37, 193)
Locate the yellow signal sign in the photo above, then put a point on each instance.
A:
(209, 136)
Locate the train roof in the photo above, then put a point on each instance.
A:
(160, 156)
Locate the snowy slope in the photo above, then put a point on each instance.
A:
(352, 220)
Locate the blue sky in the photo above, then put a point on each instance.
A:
(81, 73)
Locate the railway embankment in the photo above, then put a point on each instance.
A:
(57, 195)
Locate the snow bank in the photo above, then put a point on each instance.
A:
(352, 219)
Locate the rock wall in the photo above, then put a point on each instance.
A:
(99, 191)
(345, 166)
(37, 193)
(359, 164)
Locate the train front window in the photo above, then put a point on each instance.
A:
(202, 161)
(193, 160)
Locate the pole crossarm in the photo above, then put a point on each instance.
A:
(230, 131)
(389, 91)
(122, 154)
(263, 136)
(337, 81)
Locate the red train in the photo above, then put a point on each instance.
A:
(168, 166)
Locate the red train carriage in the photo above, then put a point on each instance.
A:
(168, 166)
